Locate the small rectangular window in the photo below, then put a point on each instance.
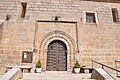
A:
(115, 15)
(90, 17)
(24, 5)
(27, 56)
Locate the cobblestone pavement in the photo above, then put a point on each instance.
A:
(53, 75)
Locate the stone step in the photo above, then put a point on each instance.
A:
(55, 75)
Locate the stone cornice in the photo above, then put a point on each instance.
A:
(111, 1)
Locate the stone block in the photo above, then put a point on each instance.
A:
(3, 69)
(8, 52)
(93, 54)
(89, 51)
(100, 74)
(16, 52)
(86, 54)
(1, 51)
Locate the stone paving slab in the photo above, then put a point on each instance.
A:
(55, 76)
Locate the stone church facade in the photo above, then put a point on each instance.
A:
(59, 32)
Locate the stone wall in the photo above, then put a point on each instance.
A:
(98, 41)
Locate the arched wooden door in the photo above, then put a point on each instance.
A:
(57, 56)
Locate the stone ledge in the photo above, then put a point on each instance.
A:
(12, 74)
(100, 74)
(21, 67)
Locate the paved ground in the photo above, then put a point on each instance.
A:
(53, 75)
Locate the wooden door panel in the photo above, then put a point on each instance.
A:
(56, 57)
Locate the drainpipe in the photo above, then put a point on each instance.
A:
(77, 41)
(35, 45)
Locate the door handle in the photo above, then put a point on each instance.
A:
(58, 61)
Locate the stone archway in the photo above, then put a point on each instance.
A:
(56, 56)
(59, 36)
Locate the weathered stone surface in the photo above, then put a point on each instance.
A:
(100, 74)
(53, 75)
(3, 70)
(12, 74)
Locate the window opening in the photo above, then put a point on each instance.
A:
(24, 5)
